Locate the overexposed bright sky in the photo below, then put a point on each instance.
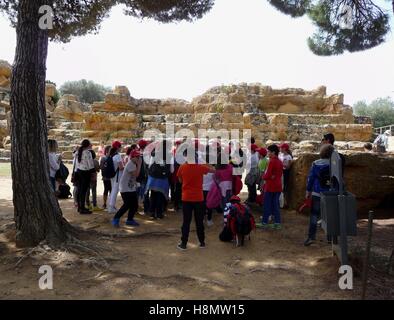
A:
(237, 41)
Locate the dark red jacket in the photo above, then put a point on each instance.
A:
(273, 175)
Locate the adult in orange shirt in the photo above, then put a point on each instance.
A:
(190, 175)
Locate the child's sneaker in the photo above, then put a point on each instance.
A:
(262, 225)
(95, 208)
(132, 223)
(181, 246)
(115, 223)
(112, 210)
(202, 245)
(308, 242)
(277, 226)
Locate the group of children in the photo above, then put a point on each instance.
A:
(197, 182)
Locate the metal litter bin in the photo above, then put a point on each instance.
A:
(330, 213)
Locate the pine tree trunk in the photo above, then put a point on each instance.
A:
(37, 213)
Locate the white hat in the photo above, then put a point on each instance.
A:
(387, 132)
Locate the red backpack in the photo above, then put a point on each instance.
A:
(241, 221)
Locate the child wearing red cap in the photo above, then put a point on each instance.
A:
(263, 165)
(273, 188)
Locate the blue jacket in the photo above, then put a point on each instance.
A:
(313, 182)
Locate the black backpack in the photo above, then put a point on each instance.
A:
(64, 191)
(159, 171)
(108, 168)
(62, 173)
(226, 235)
(143, 176)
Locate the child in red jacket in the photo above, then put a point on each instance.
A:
(272, 188)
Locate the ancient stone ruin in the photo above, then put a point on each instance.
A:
(292, 115)
(273, 115)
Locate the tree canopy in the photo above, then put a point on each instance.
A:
(367, 23)
(342, 25)
(380, 110)
(86, 91)
(74, 18)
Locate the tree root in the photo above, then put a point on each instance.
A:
(106, 235)
(91, 253)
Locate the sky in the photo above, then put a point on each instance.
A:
(237, 41)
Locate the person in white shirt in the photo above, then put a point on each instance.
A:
(54, 162)
(118, 166)
(286, 158)
(252, 178)
(85, 167)
(382, 141)
(128, 190)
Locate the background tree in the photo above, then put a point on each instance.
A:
(86, 91)
(342, 25)
(38, 216)
(380, 110)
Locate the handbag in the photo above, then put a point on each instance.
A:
(214, 196)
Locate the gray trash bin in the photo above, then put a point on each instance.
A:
(330, 213)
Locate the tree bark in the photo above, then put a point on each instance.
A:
(37, 213)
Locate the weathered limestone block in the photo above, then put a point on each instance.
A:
(117, 99)
(255, 120)
(289, 108)
(208, 118)
(369, 176)
(69, 108)
(7, 143)
(232, 118)
(107, 121)
(234, 107)
(171, 106)
(319, 119)
(5, 105)
(50, 90)
(180, 118)
(147, 109)
(320, 91)
(342, 132)
(4, 82)
(278, 119)
(3, 130)
(334, 103)
(5, 74)
(71, 97)
(122, 90)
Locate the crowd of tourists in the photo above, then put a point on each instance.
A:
(193, 176)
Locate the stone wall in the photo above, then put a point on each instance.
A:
(270, 114)
(367, 175)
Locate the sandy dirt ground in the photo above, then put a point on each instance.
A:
(144, 263)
